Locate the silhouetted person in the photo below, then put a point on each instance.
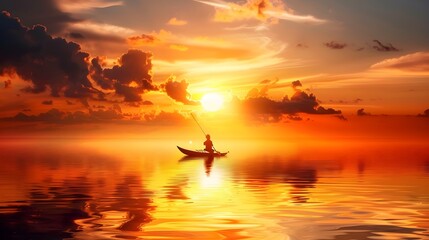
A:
(209, 144)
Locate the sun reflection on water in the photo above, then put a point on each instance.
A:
(131, 195)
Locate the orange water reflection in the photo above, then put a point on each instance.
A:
(137, 189)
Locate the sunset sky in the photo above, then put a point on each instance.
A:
(302, 66)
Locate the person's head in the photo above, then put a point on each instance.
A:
(208, 136)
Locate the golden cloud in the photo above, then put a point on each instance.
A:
(176, 22)
(264, 10)
(415, 62)
(179, 47)
(86, 5)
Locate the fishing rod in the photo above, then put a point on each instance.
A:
(202, 130)
(198, 124)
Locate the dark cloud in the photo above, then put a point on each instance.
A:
(12, 105)
(7, 83)
(361, 112)
(147, 103)
(84, 102)
(178, 91)
(92, 37)
(98, 106)
(44, 61)
(294, 117)
(143, 39)
(165, 118)
(341, 117)
(335, 45)
(61, 67)
(76, 35)
(96, 74)
(354, 101)
(105, 115)
(60, 117)
(132, 77)
(48, 102)
(262, 89)
(44, 12)
(302, 45)
(267, 109)
(424, 114)
(388, 47)
(296, 84)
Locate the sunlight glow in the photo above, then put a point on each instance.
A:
(213, 180)
(212, 102)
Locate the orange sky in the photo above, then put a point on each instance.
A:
(300, 68)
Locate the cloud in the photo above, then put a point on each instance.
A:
(261, 107)
(354, 101)
(263, 10)
(165, 118)
(96, 74)
(44, 12)
(296, 84)
(44, 61)
(166, 37)
(147, 103)
(384, 47)
(176, 22)
(257, 28)
(415, 62)
(101, 115)
(59, 66)
(79, 6)
(178, 91)
(48, 102)
(59, 17)
(341, 117)
(132, 77)
(361, 112)
(76, 35)
(424, 114)
(142, 40)
(335, 45)
(101, 31)
(264, 57)
(60, 117)
(301, 45)
(262, 89)
(179, 47)
(7, 83)
(294, 117)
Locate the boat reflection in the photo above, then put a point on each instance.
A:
(208, 162)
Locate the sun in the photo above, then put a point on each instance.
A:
(212, 102)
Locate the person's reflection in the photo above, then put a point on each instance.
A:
(208, 164)
(427, 166)
(361, 167)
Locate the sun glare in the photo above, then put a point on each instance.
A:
(212, 102)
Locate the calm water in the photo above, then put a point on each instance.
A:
(75, 189)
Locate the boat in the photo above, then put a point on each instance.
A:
(201, 153)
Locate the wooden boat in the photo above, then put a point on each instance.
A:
(201, 153)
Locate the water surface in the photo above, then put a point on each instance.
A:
(140, 189)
